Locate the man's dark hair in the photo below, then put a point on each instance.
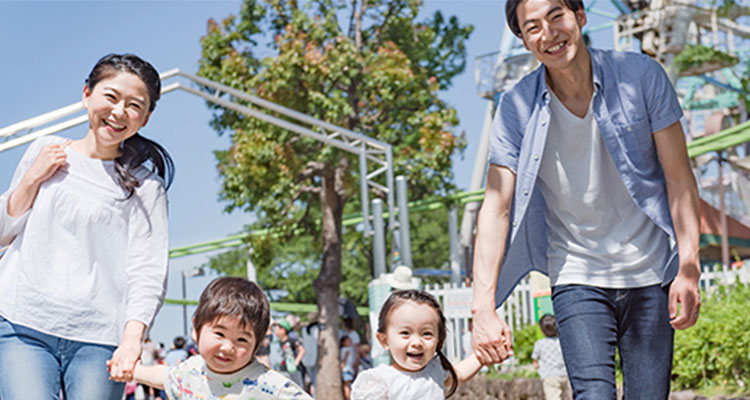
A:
(548, 325)
(511, 15)
(234, 297)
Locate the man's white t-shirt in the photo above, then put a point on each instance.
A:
(597, 235)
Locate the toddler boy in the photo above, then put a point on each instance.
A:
(229, 324)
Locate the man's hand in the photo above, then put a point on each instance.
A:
(684, 292)
(491, 338)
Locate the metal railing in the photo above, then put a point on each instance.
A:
(370, 152)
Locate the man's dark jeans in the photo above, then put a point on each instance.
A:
(592, 322)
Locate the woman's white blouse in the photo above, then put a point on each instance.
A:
(83, 261)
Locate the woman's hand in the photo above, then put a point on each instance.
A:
(122, 364)
(47, 162)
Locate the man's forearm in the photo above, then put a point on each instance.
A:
(489, 249)
(493, 221)
(685, 211)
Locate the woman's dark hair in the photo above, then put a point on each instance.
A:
(135, 150)
(548, 325)
(234, 297)
(511, 16)
(399, 297)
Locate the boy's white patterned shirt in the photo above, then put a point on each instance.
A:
(191, 379)
(549, 354)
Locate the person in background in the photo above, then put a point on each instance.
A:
(149, 356)
(548, 360)
(86, 223)
(264, 349)
(178, 353)
(352, 333)
(365, 360)
(292, 352)
(346, 354)
(310, 335)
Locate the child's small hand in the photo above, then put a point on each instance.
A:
(119, 377)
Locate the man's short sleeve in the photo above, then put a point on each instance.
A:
(505, 135)
(661, 99)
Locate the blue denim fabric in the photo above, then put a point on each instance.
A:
(593, 322)
(633, 98)
(34, 365)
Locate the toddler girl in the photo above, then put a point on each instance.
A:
(411, 327)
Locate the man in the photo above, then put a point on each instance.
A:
(589, 181)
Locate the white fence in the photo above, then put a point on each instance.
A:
(518, 309)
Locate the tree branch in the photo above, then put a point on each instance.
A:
(351, 18)
(340, 178)
(388, 15)
(313, 168)
(358, 26)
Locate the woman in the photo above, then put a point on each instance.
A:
(86, 221)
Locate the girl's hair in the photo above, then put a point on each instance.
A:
(399, 297)
(135, 150)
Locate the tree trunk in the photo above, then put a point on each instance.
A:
(328, 382)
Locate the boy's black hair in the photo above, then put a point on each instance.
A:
(234, 297)
(511, 12)
(548, 325)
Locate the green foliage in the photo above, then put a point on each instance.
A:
(289, 268)
(522, 372)
(696, 56)
(716, 351)
(523, 342)
(370, 66)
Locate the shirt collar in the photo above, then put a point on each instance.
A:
(543, 94)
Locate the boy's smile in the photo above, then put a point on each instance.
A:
(226, 345)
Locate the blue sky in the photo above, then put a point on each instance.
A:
(48, 48)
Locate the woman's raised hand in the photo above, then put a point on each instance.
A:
(50, 159)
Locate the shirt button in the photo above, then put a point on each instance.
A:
(629, 129)
(526, 192)
(515, 223)
(544, 122)
(536, 157)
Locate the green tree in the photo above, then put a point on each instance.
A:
(370, 66)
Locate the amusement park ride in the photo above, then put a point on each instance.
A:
(710, 92)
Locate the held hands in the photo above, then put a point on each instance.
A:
(684, 292)
(124, 359)
(491, 338)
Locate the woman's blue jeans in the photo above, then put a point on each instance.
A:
(34, 365)
(593, 322)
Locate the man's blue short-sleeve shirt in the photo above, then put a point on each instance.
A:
(633, 98)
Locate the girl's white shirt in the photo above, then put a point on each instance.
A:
(83, 261)
(387, 383)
